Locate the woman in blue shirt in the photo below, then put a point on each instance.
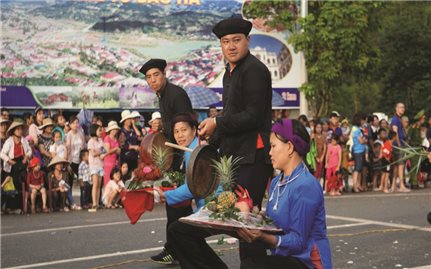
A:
(295, 204)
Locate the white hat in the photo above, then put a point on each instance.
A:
(135, 114)
(126, 115)
(4, 121)
(14, 125)
(57, 159)
(154, 116)
(112, 125)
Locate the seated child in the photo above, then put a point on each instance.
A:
(112, 190)
(85, 181)
(35, 181)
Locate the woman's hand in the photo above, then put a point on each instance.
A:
(11, 162)
(249, 235)
(161, 194)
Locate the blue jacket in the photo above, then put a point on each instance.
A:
(183, 192)
(300, 212)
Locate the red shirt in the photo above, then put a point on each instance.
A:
(35, 178)
(259, 142)
(18, 150)
(387, 150)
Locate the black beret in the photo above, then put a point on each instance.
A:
(153, 63)
(232, 26)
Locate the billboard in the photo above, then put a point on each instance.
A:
(74, 54)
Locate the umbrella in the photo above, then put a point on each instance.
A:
(202, 97)
(277, 99)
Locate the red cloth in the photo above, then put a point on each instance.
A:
(18, 151)
(315, 258)
(387, 150)
(136, 203)
(331, 177)
(259, 142)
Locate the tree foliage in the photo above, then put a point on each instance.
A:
(360, 56)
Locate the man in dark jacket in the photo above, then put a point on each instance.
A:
(242, 131)
(172, 99)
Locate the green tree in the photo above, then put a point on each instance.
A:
(334, 42)
(405, 70)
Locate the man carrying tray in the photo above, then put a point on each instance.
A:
(243, 130)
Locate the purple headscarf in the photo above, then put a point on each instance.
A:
(284, 128)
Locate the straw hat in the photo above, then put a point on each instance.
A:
(154, 116)
(57, 159)
(45, 123)
(112, 125)
(4, 121)
(126, 115)
(14, 125)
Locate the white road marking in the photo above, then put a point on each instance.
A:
(95, 257)
(422, 267)
(382, 223)
(79, 227)
(351, 196)
(348, 225)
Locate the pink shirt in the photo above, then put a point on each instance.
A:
(333, 155)
(111, 158)
(96, 146)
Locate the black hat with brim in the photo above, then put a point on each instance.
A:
(232, 26)
(153, 63)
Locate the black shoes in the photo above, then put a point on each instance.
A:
(164, 257)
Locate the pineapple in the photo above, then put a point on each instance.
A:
(160, 159)
(226, 171)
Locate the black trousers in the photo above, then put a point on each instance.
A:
(189, 243)
(173, 214)
(254, 177)
(193, 252)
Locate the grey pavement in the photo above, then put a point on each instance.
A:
(367, 230)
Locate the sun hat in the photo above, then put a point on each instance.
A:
(14, 125)
(33, 162)
(284, 128)
(45, 123)
(154, 116)
(112, 125)
(4, 121)
(135, 114)
(125, 115)
(57, 159)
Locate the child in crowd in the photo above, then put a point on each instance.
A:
(58, 147)
(125, 175)
(8, 193)
(377, 162)
(386, 160)
(97, 152)
(333, 163)
(84, 177)
(320, 142)
(113, 189)
(35, 182)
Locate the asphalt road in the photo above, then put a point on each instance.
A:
(368, 230)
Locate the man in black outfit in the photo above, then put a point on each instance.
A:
(242, 131)
(172, 100)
